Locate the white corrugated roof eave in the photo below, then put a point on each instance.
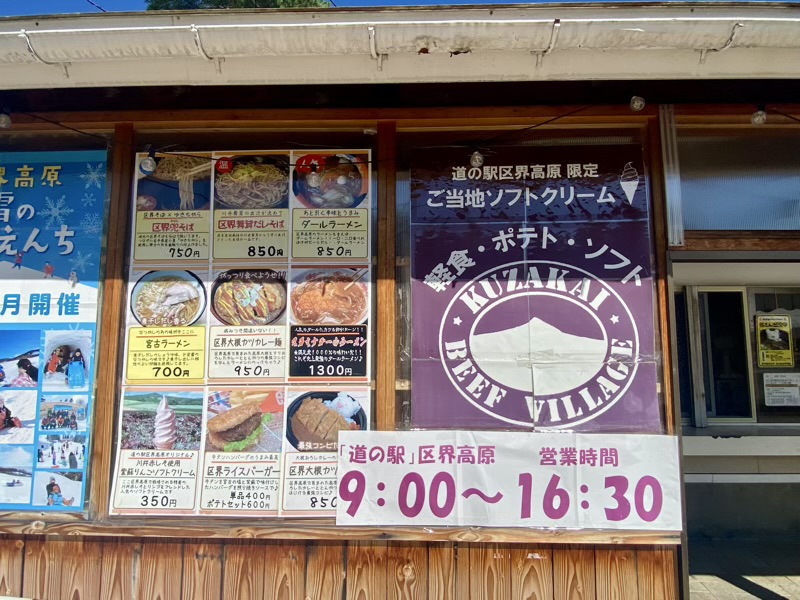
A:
(519, 43)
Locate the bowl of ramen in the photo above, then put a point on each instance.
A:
(330, 180)
(329, 297)
(314, 419)
(249, 297)
(168, 299)
(254, 182)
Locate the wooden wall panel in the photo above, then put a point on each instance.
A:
(325, 564)
(616, 574)
(407, 571)
(41, 575)
(119, 562)
(243, 575)
(441, 571)
(532, 573)
(657, 570)
(490, 572)
(366, 571)
(573, 572)
(80, 569)
(160, 571)
(202, 572)
(11, 566)
(285, 571)
(112, 569)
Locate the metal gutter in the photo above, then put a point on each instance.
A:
(490, 43)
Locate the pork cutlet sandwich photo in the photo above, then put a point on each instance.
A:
(237, 429)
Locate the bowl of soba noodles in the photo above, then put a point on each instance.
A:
(180, 182)
(254, 182)
(168, 299)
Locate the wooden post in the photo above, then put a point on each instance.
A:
(653, 152)
(385, 365)
(113, 298)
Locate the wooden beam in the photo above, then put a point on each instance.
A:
(324, 529)
(740, 241)
(283, 117)
(111, 321)
(659, 206)
(386, 318)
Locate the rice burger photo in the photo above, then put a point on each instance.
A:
(237, 429)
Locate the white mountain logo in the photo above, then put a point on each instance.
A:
(538, 355)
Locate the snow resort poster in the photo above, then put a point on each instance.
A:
(52, 216)
(532, 290)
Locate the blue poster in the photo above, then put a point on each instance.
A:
(52, 219)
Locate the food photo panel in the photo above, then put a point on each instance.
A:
(251, 206)
(247, 341)
(166, 327)
(242, 462)
(329, 315)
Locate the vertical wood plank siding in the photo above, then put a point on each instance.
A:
(152, 569)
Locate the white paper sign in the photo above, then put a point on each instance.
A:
(782, 389)
(544, 480)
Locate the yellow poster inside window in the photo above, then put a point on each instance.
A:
(774, 339)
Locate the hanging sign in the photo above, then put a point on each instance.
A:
(52, 219)
(532, 290)
(248, 336)
(490, 479)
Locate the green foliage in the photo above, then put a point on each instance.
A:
(215, 4)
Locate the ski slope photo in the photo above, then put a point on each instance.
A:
(22, 404)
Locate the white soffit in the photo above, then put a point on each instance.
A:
(528, 43)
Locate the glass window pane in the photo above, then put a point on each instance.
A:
(742, 180)
(684, 360)
(725, 354)
(776, 379)
(765, 302)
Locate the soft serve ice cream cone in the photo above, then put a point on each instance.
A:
(166, 428)
(629, 180)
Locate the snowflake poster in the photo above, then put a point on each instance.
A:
(52, 219)
(532, 290)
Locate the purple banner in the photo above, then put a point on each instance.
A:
(532, 290)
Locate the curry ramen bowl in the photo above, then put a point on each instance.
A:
(249, 297)
(168, 299)
(329, 297)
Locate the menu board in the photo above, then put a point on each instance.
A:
(533, 291)
(52, 219)
(248, 332)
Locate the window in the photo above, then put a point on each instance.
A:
(754, 175)
(746, 345)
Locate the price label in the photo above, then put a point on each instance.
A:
(155, 482)
(253, 353)
(166, 355)
(309, 484)
(546, 480)
(241, 482)
(261, 234)
(341, 234)
(172, 233)
(328, 352)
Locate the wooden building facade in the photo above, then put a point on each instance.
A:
(93, 554)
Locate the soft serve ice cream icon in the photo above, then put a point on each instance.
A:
(629, 180)
(166, 428)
